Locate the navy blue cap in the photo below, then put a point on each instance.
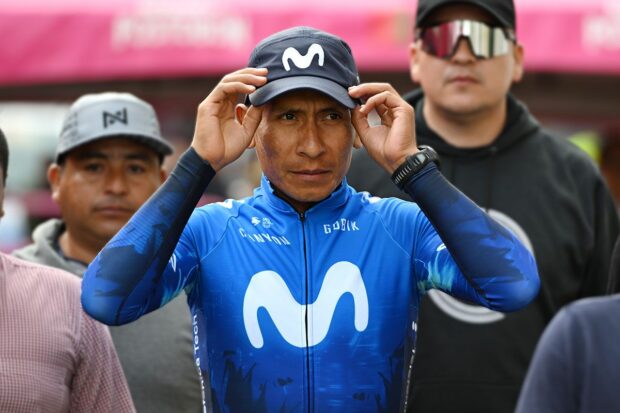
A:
(305, 58)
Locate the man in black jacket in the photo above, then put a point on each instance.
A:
(465, 57)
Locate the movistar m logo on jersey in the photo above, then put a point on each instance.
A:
(302, 61)
(268, 290)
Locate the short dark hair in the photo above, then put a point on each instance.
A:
(4, 156)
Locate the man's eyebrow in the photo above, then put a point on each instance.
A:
(284, 108)
(334, 108)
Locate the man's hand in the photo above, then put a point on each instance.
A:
(219, 138)
(394, 139)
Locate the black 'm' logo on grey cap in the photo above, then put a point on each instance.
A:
(111, 118)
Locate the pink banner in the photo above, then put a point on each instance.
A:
(581, 36)
(66, 41)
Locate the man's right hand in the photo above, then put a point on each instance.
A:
(219, 138)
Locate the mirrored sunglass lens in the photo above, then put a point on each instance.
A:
(479, 36)
(439, 40)
(485, 41)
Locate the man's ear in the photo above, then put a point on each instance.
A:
(518, 54)
(414, 66)
(54, 172)
(357, 141)
(162, 175)
(240, 111)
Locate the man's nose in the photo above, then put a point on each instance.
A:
(116, 182)
(311, 144)
(463, 52)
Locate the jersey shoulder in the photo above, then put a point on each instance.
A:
(388, 208)
(211, 220)
(399, 218)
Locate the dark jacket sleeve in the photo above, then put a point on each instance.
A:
(602, 215)
(614, 269)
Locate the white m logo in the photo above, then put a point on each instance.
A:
(268, 290)
(302, 62)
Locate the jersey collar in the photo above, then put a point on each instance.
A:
(336, 199)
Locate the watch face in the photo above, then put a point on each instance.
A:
(419, 159)
(431, 154)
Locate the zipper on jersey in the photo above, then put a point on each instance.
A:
(302, 218)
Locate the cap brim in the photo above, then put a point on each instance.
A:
(160, 146)
(277, 87)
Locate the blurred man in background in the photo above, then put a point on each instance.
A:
(465, 56)
(53, 357)
(108, 162)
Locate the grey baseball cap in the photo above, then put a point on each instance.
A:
(111, 115)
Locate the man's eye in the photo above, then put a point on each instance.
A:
(137, 169)
(288, 116)
(93, 167)
(334, 116)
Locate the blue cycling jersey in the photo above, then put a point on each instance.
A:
(311, 312)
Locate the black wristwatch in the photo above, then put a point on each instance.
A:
(414, 164)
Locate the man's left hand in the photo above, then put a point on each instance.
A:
(390, 142)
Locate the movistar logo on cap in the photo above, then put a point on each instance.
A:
(302, 61)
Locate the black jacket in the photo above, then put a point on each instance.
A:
(554, 198)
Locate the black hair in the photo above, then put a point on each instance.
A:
(4, 156)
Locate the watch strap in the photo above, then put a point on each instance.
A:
(414, 164)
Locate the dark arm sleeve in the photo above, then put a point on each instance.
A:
(496, 270)
(134, 273)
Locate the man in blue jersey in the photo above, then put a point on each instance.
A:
(304, 296)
